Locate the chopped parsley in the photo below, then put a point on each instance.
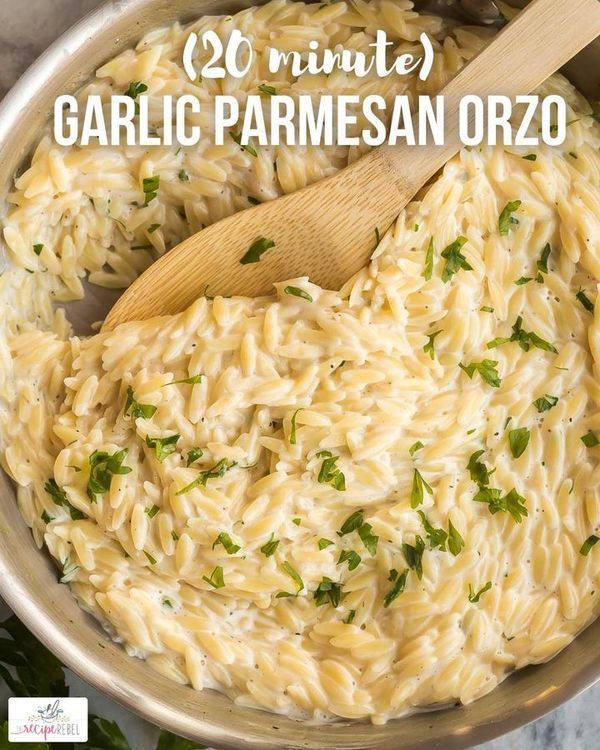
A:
(351, 557)
(525, 339)
(103, 467)
(518, 440)
(59, 497)
(224, 539)
(590, 440)
(506, 218)
(479, 472)
(151, 512)
(323, 543)
(216, 579)
(135, 89)
(585, 300)
(297, 521)
(415, 447)
(586, 547)
(429, 347)
(152, 228)
(428, 270)
(218, 470)
(192, 380)
(474, 596)
(542, 264)
(134, 409)
(329, 472)
(455, 260)
(193, 455)
(150, 186)
(256, 250)
(349, 619)
(293, 430)
(295, 291)
(352, 523)
(266, 89)
(455, 540)
(369, 539)
(512, 502)
(37, 249)
(523, 280)
(487, 370)
(183, 175)
(487, 309)
(530, 157)
(294, 575)
(151, 559)
(328, 591)
(237, 137)
(46, 517)
(413, 554)
(397, 588)
(418, 486)
(269, 547)
(163, 447)
(436, 537)
(253, 201)
(545, 403)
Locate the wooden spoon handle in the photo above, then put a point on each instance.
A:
(542, 38)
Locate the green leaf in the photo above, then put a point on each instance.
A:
(168, 741)
(474, 597)
(369, 539)
(525, 339)
(256, 250)
(479, 472)
(413, 554)
(60, 498)
(428, 270)
(352, 523)
(518, 440)
(216, 579)
(136, 410)
(269, 547)
(295, 291)
(418, 486)
(487, 370)
(351, 557)
(523, 280)
(530, 157)
(104, 734)
(293, 430)
(436, 537)
(545, 403)
(237, 137)
(585, 300)
(192, 380)
(328, 591)
(37, 249)
(429, 347)
(323, 543)
(349, 619)
(266, 89)
(487, 309)
(103, 467)
(542, 264)
(397, 589)
(150, 186)
(163, 447)
(506, 218)
(590, 542)
(135, 89)
(216, 471)
(294, 575)
(455, 260)
(151, 512)
(512, 503)
(415, 447)
(193, 455)
(330, 474)
(455, 540)
(590, 440)
(225, 540)
(46, 517)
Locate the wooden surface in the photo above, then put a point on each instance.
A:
(327, 230)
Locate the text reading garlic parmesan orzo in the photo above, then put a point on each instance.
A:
(325, 504)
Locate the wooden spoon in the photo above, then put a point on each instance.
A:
(327, 231)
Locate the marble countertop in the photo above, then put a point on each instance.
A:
(26, 29)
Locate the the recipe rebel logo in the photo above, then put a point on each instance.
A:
(48, 719)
